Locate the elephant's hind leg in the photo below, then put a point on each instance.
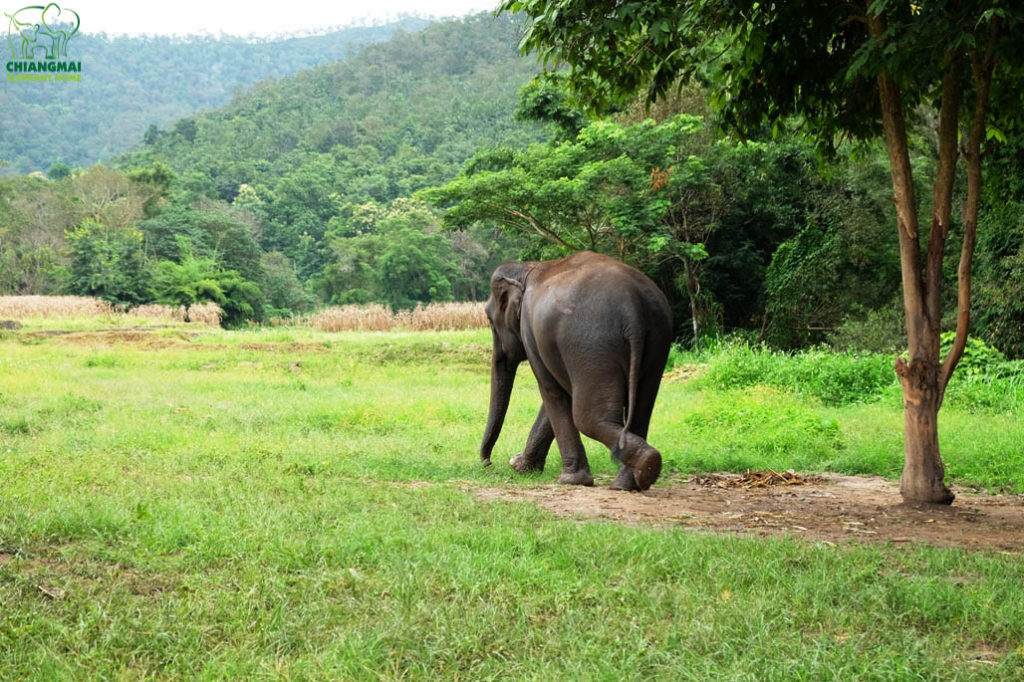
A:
(575, 467)
(598, 415)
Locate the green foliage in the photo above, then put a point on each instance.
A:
(701, 218)
(398, 255)
(107, 262)
(214, 232)
(999, 288)
(978, 357)
(58, 171)
(806, 59)
(594, 192)
(284, 293)
(881, 330)
(547, 100)
(842, 261)
(810, 63)
(397, 117)
(758, 238)
(834, 378)
(195, 280)
(191, 281)
(998, 387)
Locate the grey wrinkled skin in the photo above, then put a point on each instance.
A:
(596, 333)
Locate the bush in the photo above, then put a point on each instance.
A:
(876, 331)
(834, 378)
(978, 356)
(982, 380)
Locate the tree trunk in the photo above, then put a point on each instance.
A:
(923, 471)
(692, 289)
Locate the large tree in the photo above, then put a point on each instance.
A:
(845, 70)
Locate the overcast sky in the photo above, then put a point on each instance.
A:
(234, 17)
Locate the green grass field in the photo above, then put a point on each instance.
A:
(296, 504)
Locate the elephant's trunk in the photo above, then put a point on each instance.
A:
(503, 376)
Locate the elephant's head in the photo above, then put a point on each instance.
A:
(55, 19)
(508, 285)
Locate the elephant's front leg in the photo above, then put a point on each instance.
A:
(538, 443)
(575, 467)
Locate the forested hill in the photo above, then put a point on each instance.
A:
(399, 116)
(130, 83)
(297, 193)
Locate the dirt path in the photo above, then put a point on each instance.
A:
(828, 508)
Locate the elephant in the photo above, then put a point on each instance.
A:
(596, 333)
(41, 27)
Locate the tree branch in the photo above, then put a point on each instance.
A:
(982, 66)
(534, 223)
(906, 206)
(942, 198)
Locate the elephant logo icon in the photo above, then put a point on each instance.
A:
(41, 31)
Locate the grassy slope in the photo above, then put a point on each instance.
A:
(248, 504)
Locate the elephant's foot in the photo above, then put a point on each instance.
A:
(646, 468)
(625, 480)
(580, 477)
(524, 464)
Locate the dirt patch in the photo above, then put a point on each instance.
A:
(112, 337)
(685, 372)
(828, 508)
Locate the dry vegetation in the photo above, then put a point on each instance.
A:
(49, 307)
(205, 313)
(24, 307)
(155, 311)
(376, 317)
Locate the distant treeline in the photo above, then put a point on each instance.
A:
(130, 84)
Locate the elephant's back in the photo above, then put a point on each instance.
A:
(598, 286)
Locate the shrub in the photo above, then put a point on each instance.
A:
(876, 331)
(978, 356)
(835, 378)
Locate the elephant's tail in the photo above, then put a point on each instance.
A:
(636, 345)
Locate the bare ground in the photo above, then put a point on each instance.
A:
(829, 508)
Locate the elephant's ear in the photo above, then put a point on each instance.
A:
(510, 302)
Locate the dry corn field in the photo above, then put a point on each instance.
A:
(205, 313)
(47, 307)
(373, 317)
(155, 311)
(376, 317)
(24, 307)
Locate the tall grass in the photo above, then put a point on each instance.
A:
(24, 307)
(85, 307)
(378, 318)
(849, 377)
(160, 312)
(205, 313)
